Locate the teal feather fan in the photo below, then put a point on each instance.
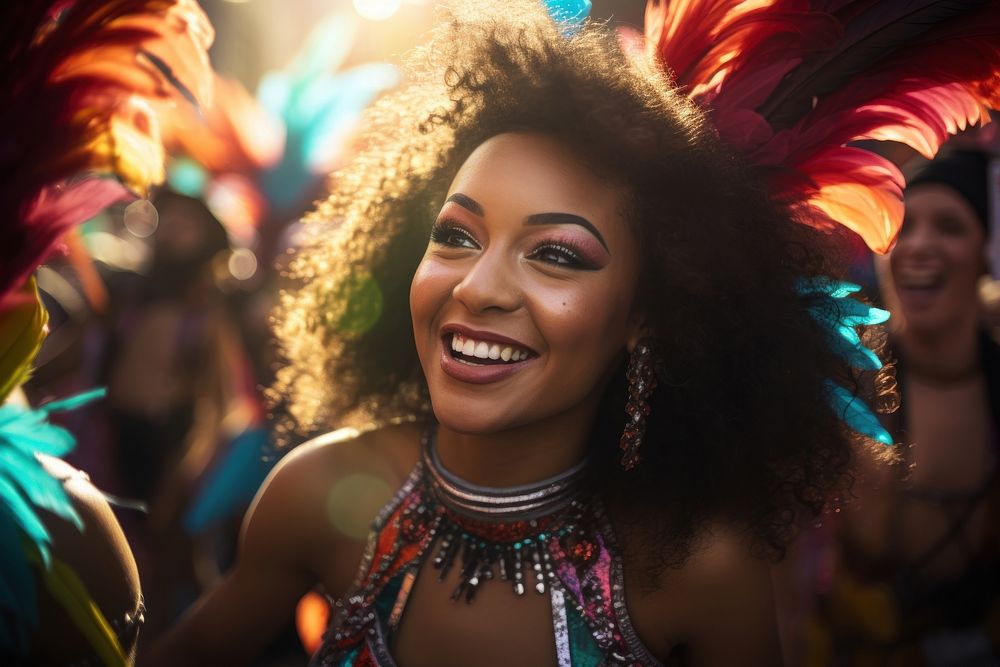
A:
(25, 488)
(840, 315)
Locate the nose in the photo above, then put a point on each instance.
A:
(916, 238)
(490, 283)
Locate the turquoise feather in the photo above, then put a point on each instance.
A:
(837, 289)
(848, 345)
(856, 413)
(570, 13)
(317, 105)
(27, 519)
(25, 488)
(839, 314)
(29, 430)
(43, 490)
(18, 601)
(73, 402)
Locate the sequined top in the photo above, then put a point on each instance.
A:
(572, 557)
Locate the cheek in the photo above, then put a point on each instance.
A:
(967, 260)
(430, 288)
(589, 319)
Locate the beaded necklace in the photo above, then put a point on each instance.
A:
(542, 532)
(501, 530)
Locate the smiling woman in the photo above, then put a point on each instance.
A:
(928, 559)
(568, 264)
(530, 272)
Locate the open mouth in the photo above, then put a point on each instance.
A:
(922, 282)
(483, 352)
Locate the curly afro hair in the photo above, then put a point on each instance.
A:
(740, 426)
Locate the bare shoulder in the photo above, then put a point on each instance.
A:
(99, 555)
(100, 548)
(307, 525)
(387, 455)
(323, 495)
(719, 605)
(722, 553)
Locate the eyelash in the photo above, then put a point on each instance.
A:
(446, 232)
(570, 257)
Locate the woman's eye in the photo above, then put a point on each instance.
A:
(951, 227)
(453, 236)
(559, 255)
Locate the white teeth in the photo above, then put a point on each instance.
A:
(483, 350)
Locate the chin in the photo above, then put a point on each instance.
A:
(467, 424)
(928, 323)
(470, 422)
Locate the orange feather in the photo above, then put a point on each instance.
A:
(792, 83)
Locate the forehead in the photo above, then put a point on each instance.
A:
(537, 173)
(937, 199)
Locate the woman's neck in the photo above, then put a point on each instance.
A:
(948, 355)
(516, 456)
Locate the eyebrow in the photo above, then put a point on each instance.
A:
(466, 202)
(472, 205)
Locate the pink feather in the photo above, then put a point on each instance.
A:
(791, 83)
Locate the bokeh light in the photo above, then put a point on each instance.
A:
(362, 302)
(377, 10)
(312, 615)
(141, 218)
(186, 177)
(353, 501)
(242, 264)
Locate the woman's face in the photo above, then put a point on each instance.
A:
(523, 300)
(938, 259)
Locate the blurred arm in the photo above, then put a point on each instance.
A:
(235, 621)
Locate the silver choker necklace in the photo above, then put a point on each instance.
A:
(504, 530)
(526, 501)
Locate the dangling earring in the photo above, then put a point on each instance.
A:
(641, 378)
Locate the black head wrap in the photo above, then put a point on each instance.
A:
(965, 172)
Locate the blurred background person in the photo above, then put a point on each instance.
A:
(84, 111)
(178, 389)
(915, 574)
(164, 354)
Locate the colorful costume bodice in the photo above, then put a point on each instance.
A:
(571, 556)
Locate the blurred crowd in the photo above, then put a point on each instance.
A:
(171, 311)
(902, 571)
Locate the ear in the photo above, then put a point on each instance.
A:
(638, 329)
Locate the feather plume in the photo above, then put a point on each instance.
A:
(23, 322)
(792, 83)
(260, 157)
(77, 81)
(26, 486)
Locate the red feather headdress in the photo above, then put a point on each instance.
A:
(78, 80)
(792, 83)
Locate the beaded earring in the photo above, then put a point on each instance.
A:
(641, 378)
